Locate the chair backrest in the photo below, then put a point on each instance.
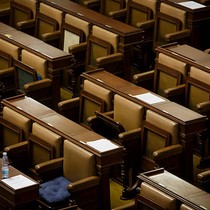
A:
(48, 19)
(5, 60)
(10, 133)
(50, 137)
(140, 11)
(21, 121)
(4, 6)
(10, 49)
(22, 10)
(165, 124)
(100, 92)
(174, 12)
(100, 43)
(23, 74)
(169, 19)
(128, 113)
(106, 35)
(158, 197)
(89, 103)
(108, 6)
(38, 63)
(43, 145)
(157, 132)
(174, 64)
(78, 163)
(169, 72)
(74, 31)
(197, 88)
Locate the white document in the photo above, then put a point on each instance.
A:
(192, 4)
(102, 145)
(18, 182)
(149, 98)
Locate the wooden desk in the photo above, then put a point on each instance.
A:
(19, 198)
(198, 20)
(190, 122)
(57, 60)
(128, 35)
(177, 188)
(187, 54)
(73, 132)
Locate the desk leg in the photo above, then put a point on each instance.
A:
(105, 187)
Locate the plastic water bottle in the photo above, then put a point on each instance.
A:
(5, 166)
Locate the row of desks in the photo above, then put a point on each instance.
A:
(187, 54)
(57, 60)
(190, 123)
(73, 132)
(177, 188)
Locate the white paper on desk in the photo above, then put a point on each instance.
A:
(102, 145)
(191, 4)
(18, 182)
(149, 98)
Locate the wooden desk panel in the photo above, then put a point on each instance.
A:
(190, 122)
(57, 60)
(73, 132)
(177, 188)
(17, 199)
(128, 35)
(187, 54)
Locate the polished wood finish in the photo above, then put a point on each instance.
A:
(187, 54)
(73, 132)
(57, 60)
(177, 188)
(128, 35)
(198, 20)
(190, 122)
(20, 198)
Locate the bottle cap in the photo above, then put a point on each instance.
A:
(4, 153)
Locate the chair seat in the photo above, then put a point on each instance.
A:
(55, 191)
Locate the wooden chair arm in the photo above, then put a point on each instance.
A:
(84, 184)
(37, 85)
(118, 14)
(26, 24)
(146, 25)
(167, 152)
(108, 59)
(49, 166)
(51, 36)
(179, 35)
(142, 77)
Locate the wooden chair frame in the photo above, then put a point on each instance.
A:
(11, 126)
(84, 95)
(167, 70)
(192, 81)
(18, 65)
(16, 6)
(42, 17)
(73, 29)
(133, 5)
(45, 145)
(162, 133)
(7, 57)
(94, 40)
(121, 5)
(163, 17)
